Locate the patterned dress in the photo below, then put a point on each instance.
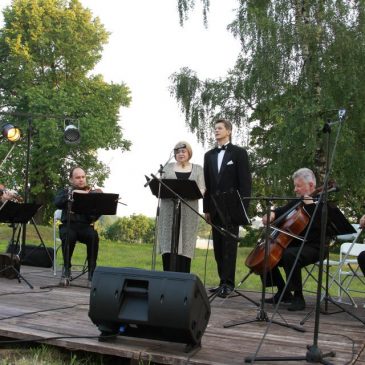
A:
(189, 219)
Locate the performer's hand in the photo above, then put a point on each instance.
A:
(272, 217)
(81, 191)
(207, 217)
(7, 195)
(307, 199)
(362, 221)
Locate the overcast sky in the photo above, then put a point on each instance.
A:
(145, 47)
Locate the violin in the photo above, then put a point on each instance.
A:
(90, 189)
(289, 227)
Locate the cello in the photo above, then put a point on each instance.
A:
(284, 229)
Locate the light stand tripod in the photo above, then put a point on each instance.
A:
(261, 313)
(14, 214)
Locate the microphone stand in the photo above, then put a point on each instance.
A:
(67, 270)
(160, 172)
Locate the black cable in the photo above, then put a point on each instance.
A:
(44, 310)
(26, 292)
(14, 342)
(345, 336)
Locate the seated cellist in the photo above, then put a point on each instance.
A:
(304, 187)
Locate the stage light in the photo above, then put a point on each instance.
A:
(71, 133)
(10, 132)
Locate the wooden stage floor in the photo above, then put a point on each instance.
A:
(39, 314)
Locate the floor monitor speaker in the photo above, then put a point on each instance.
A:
(167, 306)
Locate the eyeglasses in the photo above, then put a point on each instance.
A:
(180, 150)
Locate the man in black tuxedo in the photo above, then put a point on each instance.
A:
(227, 178)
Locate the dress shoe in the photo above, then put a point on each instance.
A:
(297, 304)
(214, 290)
(287, 298)
(226, 290)
(66, 273)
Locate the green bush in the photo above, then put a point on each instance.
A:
(133, 229)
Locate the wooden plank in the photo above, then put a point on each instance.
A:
(63, 312)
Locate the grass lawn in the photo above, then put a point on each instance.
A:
(118, 254)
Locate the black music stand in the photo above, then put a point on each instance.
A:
(231, 208)
(95, 203)
(177, 190)
(13, 214)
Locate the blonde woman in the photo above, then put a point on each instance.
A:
(188, 226)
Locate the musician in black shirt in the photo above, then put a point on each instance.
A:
(304, 187)
(81, 227)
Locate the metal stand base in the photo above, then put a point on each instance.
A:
(329, 299)
(237, 293)
(66, 282)
(262, 317)
(19, 276)
(313, 355)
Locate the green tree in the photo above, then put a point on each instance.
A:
(48, 49)
(300, 61)
(133, 229)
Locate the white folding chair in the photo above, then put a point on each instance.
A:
(333, 277)
(349, 269)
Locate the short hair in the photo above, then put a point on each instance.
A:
(73, 169)
(183, 144)
(306, 174)
(226, 123)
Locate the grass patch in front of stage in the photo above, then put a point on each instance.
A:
(41, 354)
(116, 254)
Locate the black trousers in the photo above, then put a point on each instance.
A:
(183, 263)
(309, 255)
(361, 261)
(225, 253)
(85, 234)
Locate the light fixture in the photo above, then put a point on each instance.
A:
(10, 132)
(71, 134)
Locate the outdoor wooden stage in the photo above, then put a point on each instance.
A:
(40, 314)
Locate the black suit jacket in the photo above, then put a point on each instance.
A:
(222, 187)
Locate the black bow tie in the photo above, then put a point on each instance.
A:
(221, 148)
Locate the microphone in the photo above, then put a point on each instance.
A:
(148, 181)
(341, 114)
